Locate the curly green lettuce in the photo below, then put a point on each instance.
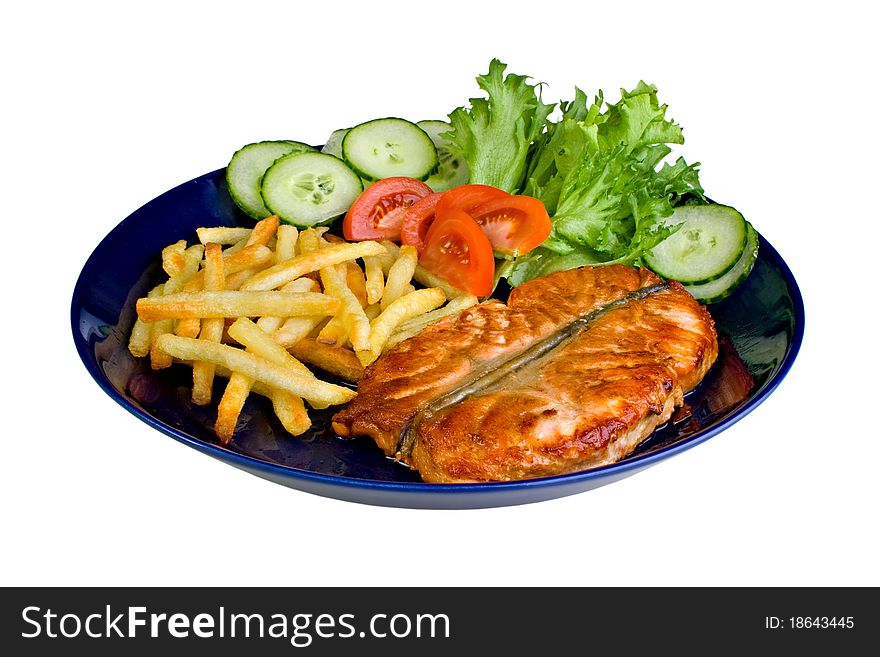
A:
(494, 134)
(600, 175)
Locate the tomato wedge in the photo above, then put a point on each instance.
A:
(418, 220)
(515, 224)
(467, 197)
(377, 214)
(458, 251)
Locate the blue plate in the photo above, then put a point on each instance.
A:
(761, 327)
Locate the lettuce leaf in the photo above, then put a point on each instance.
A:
(495, 133)
(599, 173)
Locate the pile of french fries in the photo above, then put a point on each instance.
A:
(253, 305)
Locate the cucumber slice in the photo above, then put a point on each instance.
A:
(389, 147)
(707, 245)
(723, 287)
(307, 189)
(452, 169)
(333, 145)
(246, 168)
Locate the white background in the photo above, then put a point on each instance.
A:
(104, 107)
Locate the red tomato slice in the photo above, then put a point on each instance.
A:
(458, 251)
(377, 213)
(514, 225)
(418, 220)
(467, 197)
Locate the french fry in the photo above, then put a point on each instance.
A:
(159, 360)
(335, 360)
(192, 257)
(284, 272)
(388, 258)
(411, 327)
(285, 249)
(229, 409)
(263, 231)
(253, 257)
(309, 241)
(400, 274)
(295, 329)
(351, 313)
(237, 390)
(319, 394)
(223, 235)
(334, 332)
(236, 280)
(455, 305)
(375, 279)
(172, 258)
(289, 408)
(258, 388)
(139, 340)
(290, 412)
(212, 329)
(261, 343)
(208, 305)
(354, 278)
(406, 307)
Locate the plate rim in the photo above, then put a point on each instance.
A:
(250, 463)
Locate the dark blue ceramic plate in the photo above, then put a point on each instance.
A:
(761, 327)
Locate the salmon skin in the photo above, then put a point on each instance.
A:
(573, 372)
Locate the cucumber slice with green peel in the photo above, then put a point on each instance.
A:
(333, 145)
(389, 147)
(452, 169)
(708, 243)
(308, 189)
(723, 287)
(246, 168)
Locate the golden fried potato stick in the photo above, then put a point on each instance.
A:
(139, 340)
(319, 394)
(400, 274)
(284, 272)
(212, 329)
(223, 235)
(261, 343)
(192, 257)
(335, 360)
(226, 303)
(263, 231)
(410, 327)
(236, 280)
(229, 409)
(291, 412)
(253, 257)
(172, 258)
(351, 313)
(289, 408)
(295, 329)
(354, 278)
(285, 248)
(334, 332)
(400, 310)
(375, 279)
(455, 305)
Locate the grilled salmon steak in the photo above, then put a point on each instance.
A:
(573, 372)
